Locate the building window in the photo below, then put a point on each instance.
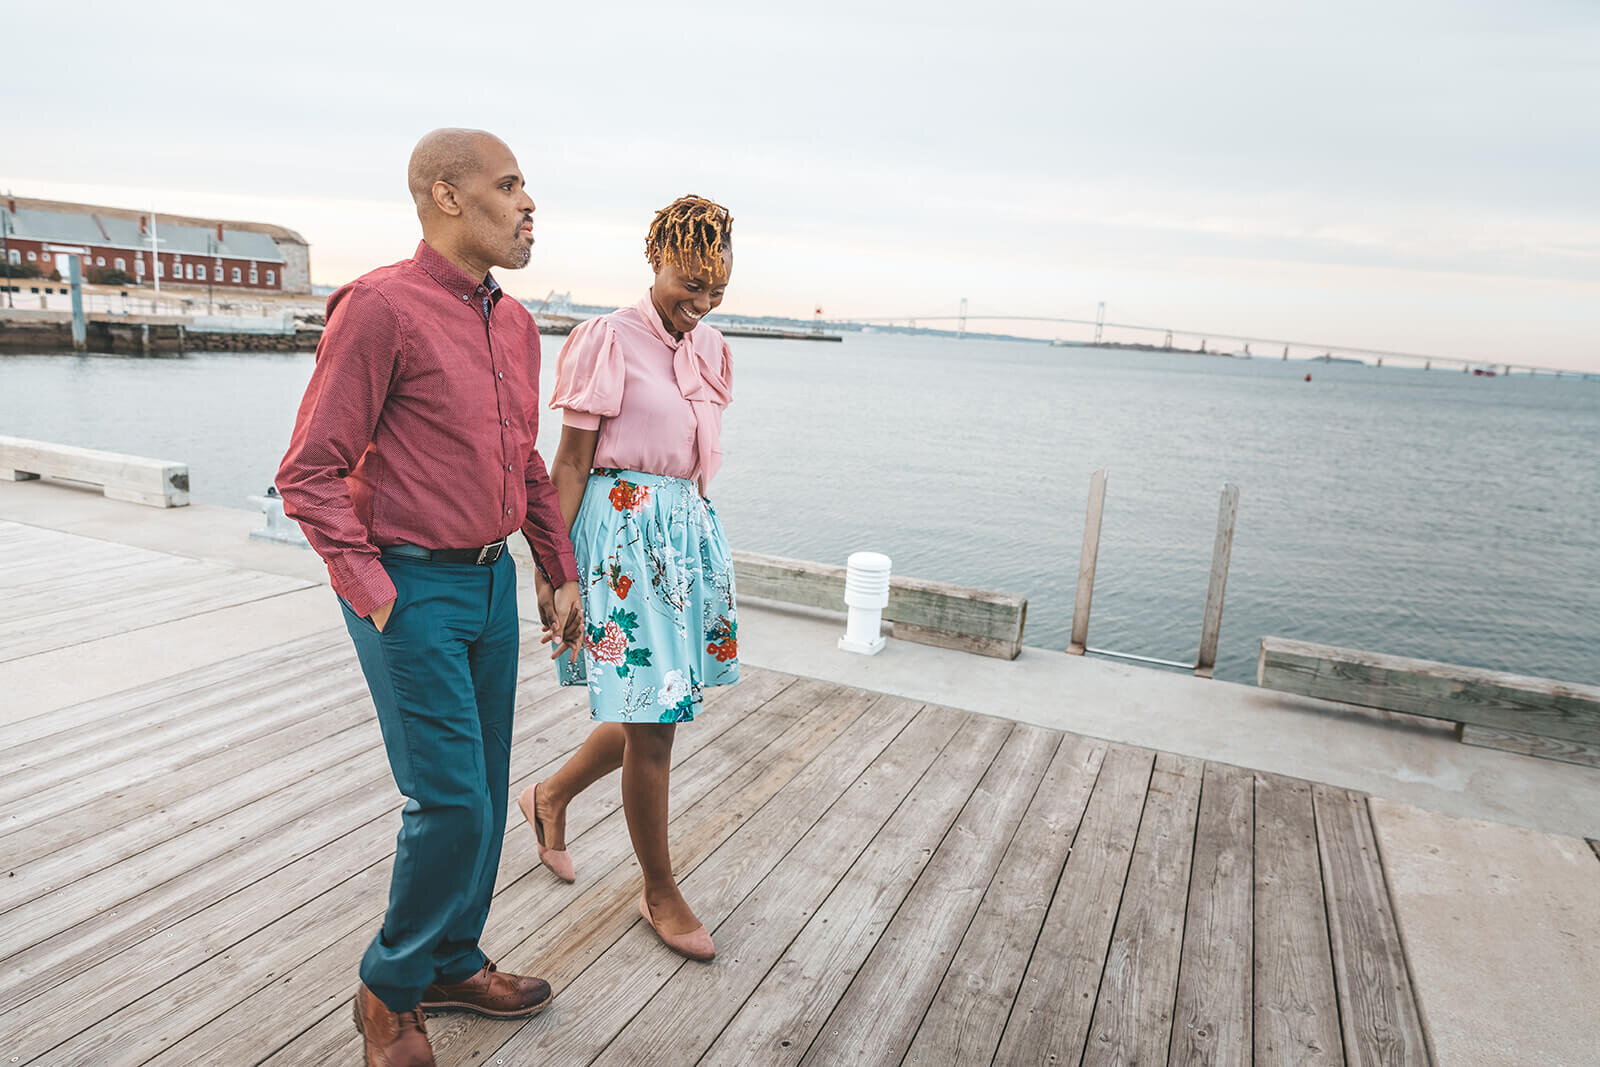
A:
(33, 256)
(200, 272)
(138, 267)
(161, 269)
(271, 276)
(253, 278)
(188, 271)
(236, 278)
(122, 264)
(16, 256)
(99, 261)
(45, 256)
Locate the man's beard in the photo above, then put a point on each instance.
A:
(520, 254)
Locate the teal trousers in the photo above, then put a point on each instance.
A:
(443, 676)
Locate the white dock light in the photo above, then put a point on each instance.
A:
(866, 593)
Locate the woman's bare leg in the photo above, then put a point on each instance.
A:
(598, 756)
(646, 766)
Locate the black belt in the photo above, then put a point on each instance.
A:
(481, 556)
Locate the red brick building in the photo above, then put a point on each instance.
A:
(182, 252)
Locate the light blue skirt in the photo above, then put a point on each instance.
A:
(658, 599)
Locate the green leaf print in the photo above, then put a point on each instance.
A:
(639, 657)
(626, 620)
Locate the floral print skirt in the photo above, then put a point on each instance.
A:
(658, 608)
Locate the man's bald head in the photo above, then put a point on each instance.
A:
(446, 155)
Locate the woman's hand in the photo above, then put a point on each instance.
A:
(565, 630)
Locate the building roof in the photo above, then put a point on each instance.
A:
(279, 234)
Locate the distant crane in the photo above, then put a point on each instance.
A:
(961, 331)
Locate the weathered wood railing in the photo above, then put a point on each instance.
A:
(1205, 662)
(931, 613)
(157, 482)
(1533, 716)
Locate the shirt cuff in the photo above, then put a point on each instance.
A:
(367, 589)
(579, 420)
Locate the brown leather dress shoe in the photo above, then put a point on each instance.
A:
(393, 1039)
(491, 992)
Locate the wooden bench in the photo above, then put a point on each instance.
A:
(157, 482)
(930, 613)
(1533, 716)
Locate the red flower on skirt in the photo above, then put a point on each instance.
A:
(724, 651)
(627, 496)
(613, 648)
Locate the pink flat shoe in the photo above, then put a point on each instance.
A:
(695, 945)
(556, 860)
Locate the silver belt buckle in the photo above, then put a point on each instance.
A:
(485, 557)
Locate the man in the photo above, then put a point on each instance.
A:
(412, 461)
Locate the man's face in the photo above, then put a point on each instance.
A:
(683, 298)
(496, 210)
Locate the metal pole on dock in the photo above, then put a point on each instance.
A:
(1221, 553)
(5, 251)
(1086, 563)
(80, 333)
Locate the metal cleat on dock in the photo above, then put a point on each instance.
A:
(279, 526)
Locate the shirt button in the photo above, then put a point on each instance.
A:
(508, 422)
(508, 466)
(508, 511)
(500, 374)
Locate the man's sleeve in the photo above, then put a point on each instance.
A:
(357, 358)
(543, 526)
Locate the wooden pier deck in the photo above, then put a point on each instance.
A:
(192, 868)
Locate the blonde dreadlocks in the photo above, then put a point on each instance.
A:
(691, 233)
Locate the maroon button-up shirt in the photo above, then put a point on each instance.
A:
(418, 427)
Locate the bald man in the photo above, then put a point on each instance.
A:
(412, 462)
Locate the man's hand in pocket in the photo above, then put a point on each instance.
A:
(380, 615)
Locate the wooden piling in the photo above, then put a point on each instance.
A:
(1086, 563)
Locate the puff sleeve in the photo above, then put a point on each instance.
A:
(589, 376)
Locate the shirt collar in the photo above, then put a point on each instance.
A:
(647, 308)
(457, 282)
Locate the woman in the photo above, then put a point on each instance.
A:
(642, 390)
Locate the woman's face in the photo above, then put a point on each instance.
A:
(683, 298)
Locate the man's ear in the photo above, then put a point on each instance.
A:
(444, 198)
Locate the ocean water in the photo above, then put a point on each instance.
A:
(1424, 513)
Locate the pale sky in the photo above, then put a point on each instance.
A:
(1420, 175)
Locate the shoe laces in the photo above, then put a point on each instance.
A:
(414, 1018)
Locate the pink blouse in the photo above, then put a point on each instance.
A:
(657, 402)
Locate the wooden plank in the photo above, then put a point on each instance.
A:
(969, 1011)
(785, 1012)
(64, 629)
(753, 757)
(599, 962)
(163, 483)
(918, 604)
(1088, 557)
(97, 834)
(110, 738)
(1133, 1011)
(41, 790)
(1050, 1017)
(1377, 1008)
(1296, 1016)
(1212, 1019)
(190, 689)
(1217, 584)
(335, 925)
(109, 961)
(79, 588)
(994, 647)
(146, 772)
(879, 1014)
(1584, 755)
(1468, 695)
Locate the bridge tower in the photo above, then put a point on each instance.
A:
(962, 331)
(1167, 344)
(1099, 322)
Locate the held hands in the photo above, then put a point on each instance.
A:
(563, 626)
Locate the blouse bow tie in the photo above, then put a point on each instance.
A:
(703, 380)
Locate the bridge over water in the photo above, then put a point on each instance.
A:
(1305, 349)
